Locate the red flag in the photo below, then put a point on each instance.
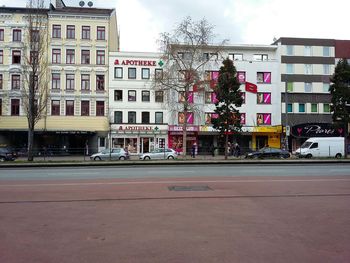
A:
(251, 87)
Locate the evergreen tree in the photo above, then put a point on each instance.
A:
(340, 91)
(229, 98)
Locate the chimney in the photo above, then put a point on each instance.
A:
(60, 4)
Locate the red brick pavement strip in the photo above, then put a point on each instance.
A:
(299, 219)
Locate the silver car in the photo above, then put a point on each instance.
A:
(159, 154)
(114, 154)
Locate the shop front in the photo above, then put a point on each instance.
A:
(138, 139)
(175, 137)
(266, 136)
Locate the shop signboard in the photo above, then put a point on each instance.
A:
(307, 130)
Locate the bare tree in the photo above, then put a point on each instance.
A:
(35, 68)
(186, 53)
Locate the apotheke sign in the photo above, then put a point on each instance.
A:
(135, 62)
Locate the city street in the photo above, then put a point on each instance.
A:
(184, 213)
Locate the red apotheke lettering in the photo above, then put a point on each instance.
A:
(129, 62)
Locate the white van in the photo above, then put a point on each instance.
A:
(322, 147)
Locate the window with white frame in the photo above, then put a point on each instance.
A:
(118, 73)
(70, 81)
(290, 50)
(145, 73)
(326, 69)
(307, 51)
(308, 69)
(56, 81)
(308, 87)
(290, 68)
(85, 82)
(326, 51)
(326, 87)
(159, 117)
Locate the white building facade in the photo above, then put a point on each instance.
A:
(138, 118)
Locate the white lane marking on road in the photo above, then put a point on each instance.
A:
(178, 182)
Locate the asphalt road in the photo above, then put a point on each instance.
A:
(227, 213)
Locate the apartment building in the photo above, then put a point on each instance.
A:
(306, 67)
(138, 115)
(79, 41)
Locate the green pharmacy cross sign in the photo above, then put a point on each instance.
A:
(161, 63)
(156, 129)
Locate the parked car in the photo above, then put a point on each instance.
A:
(159, 154)
(113, 154)
(268, 152)
(6, 154)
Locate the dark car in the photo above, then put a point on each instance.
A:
(6, 154)
(268, 152)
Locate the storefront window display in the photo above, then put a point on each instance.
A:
(129, 143)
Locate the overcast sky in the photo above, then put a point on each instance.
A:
(240, 21)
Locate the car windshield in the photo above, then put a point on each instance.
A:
(306, 145)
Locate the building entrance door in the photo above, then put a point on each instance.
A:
(261, 141)
(145, 144)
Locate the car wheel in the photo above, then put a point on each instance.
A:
(97, 158)
(309, 156)
(338, 155)
(122, 158)
(147, 158)
(2, 159)
(170, 157)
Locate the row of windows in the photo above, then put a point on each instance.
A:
(85, 32)
(261, 77)
(314, 108)
(308, 69)
(308, 87)
(132, 117)
(132, 73)
(85, 57)
(84, 82)
(308, 51)
(132, 95)
(232, 56)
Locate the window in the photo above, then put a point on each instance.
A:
(118, 95)
(55, 107)
(56, 81)
(308, 87)
(145, 95)
(35, 35)
(100, 108)
(118, 117)
(290, 86)
(326, 70)
(56, 31)
(85, 108)
(70, 81)
(326, 87)
(145, 73)
(132, 73)
(101, 33)
(1, 57)
(100, 57)
(290, 107)
(70, 56)
(131, 117)
(207, 118)
(159, 73)
(85, 82)
(243, 118)
(260, 57)
(85, 57)
(145, 117)
(1, 34)
(181, 118)
(118, 73)
(307, 51)
(159, 96)
(236, 57)
(326, 51)
(243, 97)
(289, 68)
(326, 107)
(17, 35)
(207, 97)
(71, 32)
(132, 95)
(85, 32)
(314, 145)
(301, 107)
(15, 82)
(241, 76)
(314, 108)
(189, 96)
(308, 69)
(69, 107)
(206, 56)
(100, 82)
(56, 56)
(264, 118)
(263, 77)
(159, 117)
(15, 107)
(1, 81)
(290, 50)
(263, 98)
(16, 57)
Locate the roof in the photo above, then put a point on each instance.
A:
(22, 10)
(82, 10)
